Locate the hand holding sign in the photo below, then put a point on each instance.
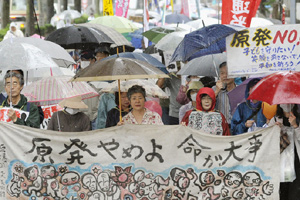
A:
(12, 115)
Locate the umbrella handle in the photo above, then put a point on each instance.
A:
(120, 104)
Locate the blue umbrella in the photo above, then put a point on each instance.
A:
(204, 41)
(143, 57)
(177, 18)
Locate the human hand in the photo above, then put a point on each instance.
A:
(249, 123)
(12, 115)
(120, 123)
(292, 120)
(219, 85)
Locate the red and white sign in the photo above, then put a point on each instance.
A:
(239, 12)
(48, 112)
(122, 8)
(20, 114)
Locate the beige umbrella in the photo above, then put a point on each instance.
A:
(119, 69)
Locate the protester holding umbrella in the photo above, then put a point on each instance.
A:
(248, 114)
(101, 52)
(70, 119)
(139, 114)
(204, 117)
(14, 83)
(113, 116)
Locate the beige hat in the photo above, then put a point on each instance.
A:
(73, 102)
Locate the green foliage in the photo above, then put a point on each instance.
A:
(82, 19)
(3, 32)
(45, 30)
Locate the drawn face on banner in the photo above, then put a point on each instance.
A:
(233, 179)
(89, 182)
(31, 173)
(70, 178)
(251, 179)
(206, 178)
(104, 181)
(48, 172)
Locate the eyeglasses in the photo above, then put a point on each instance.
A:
(14, 84)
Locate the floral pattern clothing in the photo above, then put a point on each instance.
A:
(149, 117)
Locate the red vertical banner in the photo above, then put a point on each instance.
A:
(185, 8)
(122, 8)
(239, 12)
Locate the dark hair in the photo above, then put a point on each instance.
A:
(223, 64)
(208, 81)
(14, 74)
(280, 114)
(136, 89)
(117, 98)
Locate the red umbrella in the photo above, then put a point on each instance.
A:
(278, 88)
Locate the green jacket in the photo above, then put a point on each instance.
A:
(33, 119)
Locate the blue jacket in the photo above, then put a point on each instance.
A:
(244, 111)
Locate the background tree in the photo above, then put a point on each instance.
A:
(77, 5)
(65, 4)
(30, 19)
(5, 11)
(97, 7)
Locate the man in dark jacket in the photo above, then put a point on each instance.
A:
(14, 83)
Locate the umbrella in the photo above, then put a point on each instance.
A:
(278, 88)
(51, 90)
(184, 27)
(120, 24)
(204, 66)
(143, 57)
(117, 38)
(206, 21)
(213, 36)
(23, 56)
(73, 14)
(79, 37)
(171, 41)
(157, 33)
(119, 68)
(39, 73)
(37, 36)
(59, 55)
(237, 95)
(151, 88)
(177, 18)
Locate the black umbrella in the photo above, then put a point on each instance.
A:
(79, 37)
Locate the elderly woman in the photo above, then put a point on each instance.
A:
(139, 114)
(205, 117)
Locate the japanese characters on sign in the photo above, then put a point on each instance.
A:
(20, 114)
(122, 8)
(239, 12)
(108, 8)
(159, 162)
(263, 50)
(48, 112)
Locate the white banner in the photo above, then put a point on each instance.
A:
(20, 114)
(138, 162)
(264, 50)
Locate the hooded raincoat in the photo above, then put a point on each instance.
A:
(210, 121)
(247, 111)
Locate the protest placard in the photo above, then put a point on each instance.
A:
(138, 162)
(263, 50)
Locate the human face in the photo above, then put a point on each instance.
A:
(100, 56)
(224, 74)
(13, 84)
(137, 101)
(13, 28)
(206, 102)
(124, 100)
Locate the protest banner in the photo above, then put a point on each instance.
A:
(138, 162)
(108, 8)
(239, 12)
(20, 114)
(263, 50)
(48, 112)
(122, 8)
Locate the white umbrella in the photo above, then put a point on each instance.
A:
(151, 88)
(171, 41)
(258, 21)
(73, 14)
(23, 56)
(59, 55)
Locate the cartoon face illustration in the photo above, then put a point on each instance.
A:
(139, 175)
(180, 178)
(233, 179)
(104, 181)
(69, 178)
(89, 181)
(206, 178)
(251, 179)
(48, 172)
(31, 173)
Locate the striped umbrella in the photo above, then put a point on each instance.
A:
(51, 90)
